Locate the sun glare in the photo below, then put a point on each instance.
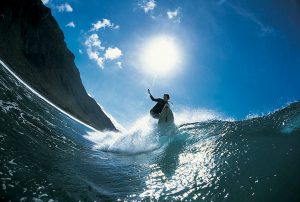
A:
(160, 56)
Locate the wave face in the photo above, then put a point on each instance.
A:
(47, 156)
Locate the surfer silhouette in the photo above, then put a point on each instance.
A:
(156, 110)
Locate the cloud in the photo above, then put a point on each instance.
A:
(100, 54)
(80, 51)
(112, 53)
(119, 64)
(96, 51)
(148, 5)
(103, 24)
(45, 1)
(71, 24)
(93, 45)
(65, 7)
(93, 41)
(242, 12)
(172, 14)
(94, 55)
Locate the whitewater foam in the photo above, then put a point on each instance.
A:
(190, 115)
(141, 137)
(144, 135)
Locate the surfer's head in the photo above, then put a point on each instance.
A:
(166, 97)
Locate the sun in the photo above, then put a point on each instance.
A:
(160, 56)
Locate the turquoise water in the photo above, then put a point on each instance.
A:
(47, 156)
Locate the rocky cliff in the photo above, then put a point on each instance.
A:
(33, 45)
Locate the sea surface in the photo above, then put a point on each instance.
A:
(47, 156)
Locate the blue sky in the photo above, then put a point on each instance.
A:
(236, 57)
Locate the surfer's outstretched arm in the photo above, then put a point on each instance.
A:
(152, 98)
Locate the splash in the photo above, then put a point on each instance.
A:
(144, 135)
(190, 115)
(141, 137)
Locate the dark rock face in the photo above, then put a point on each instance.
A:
(32, 44)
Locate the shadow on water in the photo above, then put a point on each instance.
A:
(169, 159)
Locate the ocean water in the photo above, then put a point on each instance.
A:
(47, 156)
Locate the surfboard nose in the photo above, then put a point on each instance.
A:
(166, 116)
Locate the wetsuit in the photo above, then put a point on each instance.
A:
(156, 110)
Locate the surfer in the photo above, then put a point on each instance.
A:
(156, 110)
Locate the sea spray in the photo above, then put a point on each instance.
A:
(145, 134)
(141, 137)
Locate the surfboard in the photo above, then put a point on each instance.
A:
(166, 116)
